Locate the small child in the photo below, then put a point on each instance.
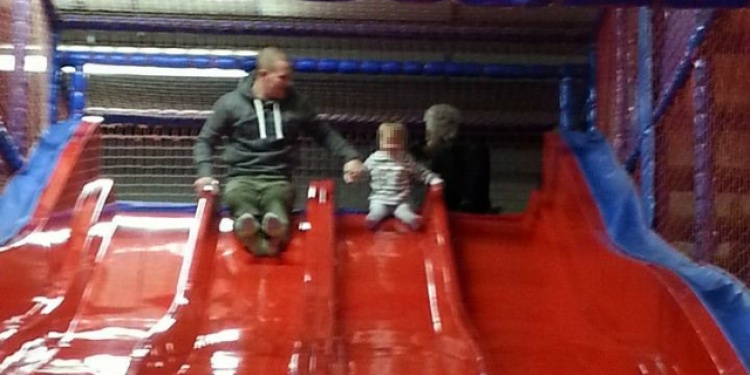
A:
(391, 171)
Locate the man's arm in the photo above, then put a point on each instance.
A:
(214, 128)
(335, 144)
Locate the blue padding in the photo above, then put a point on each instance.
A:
(349, 67)
(225, 63)
(312, 65)
(305, 65)
(154, 120)
(328, 66)
(139, 206)
(21, 195)
(723, 296)
(136, 206)
(434, 69)
(413, 68)
(248, 65)
(205, 63)
(370, 67)
(392, 67)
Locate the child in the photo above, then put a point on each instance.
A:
(391, 171)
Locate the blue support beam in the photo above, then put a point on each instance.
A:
(333, 66)
(77, 92)
(567, 103)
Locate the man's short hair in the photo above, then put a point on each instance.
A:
(267, 57)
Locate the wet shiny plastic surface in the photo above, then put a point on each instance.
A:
(549, 294)
(537, 293)
(391, 321)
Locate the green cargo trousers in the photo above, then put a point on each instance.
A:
(258, 195)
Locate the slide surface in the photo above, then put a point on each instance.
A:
(155, 291)
(549, 293)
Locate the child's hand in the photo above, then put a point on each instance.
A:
(436, 181)
(353, 171)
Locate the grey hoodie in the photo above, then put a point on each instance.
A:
(262, 146)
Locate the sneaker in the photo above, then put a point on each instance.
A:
(371, 224)
(416, 224)
(267, 247)
(272, 226)
(246, 227)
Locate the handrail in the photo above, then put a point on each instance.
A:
(172, 338)
(449, 317)
(318, 351)
(70, 285)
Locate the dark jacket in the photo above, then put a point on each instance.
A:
(255, 150)
(465, 168)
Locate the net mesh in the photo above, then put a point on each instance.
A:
(616, 79)
(702, 196)
(151, 157)
(727, 54)
(5, 38)
(154, 163)
(38, 82)
(28, 122)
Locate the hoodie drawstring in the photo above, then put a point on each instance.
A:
(261, 115)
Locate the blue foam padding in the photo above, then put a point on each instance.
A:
(21, 196)
(724, 297)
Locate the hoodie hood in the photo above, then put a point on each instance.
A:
(245, 86)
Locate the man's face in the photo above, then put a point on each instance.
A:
(277, 80)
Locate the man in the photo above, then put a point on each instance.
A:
(263, 119)
(463, 165)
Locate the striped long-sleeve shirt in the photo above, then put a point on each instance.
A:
(391, 176)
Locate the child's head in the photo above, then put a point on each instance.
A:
(392, 136)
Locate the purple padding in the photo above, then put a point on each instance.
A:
(307, 28)
(706, 3)
(507, 3)
(613, 3)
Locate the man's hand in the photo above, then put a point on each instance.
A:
(353, 171)
(204, 182)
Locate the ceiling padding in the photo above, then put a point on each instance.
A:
(370, 10)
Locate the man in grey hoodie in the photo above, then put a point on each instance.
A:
(263, 119)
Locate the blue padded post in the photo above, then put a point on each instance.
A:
(78, 92)
(567, 105)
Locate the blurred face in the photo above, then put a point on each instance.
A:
(391, 141)
(277, 80)
(431, 131)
